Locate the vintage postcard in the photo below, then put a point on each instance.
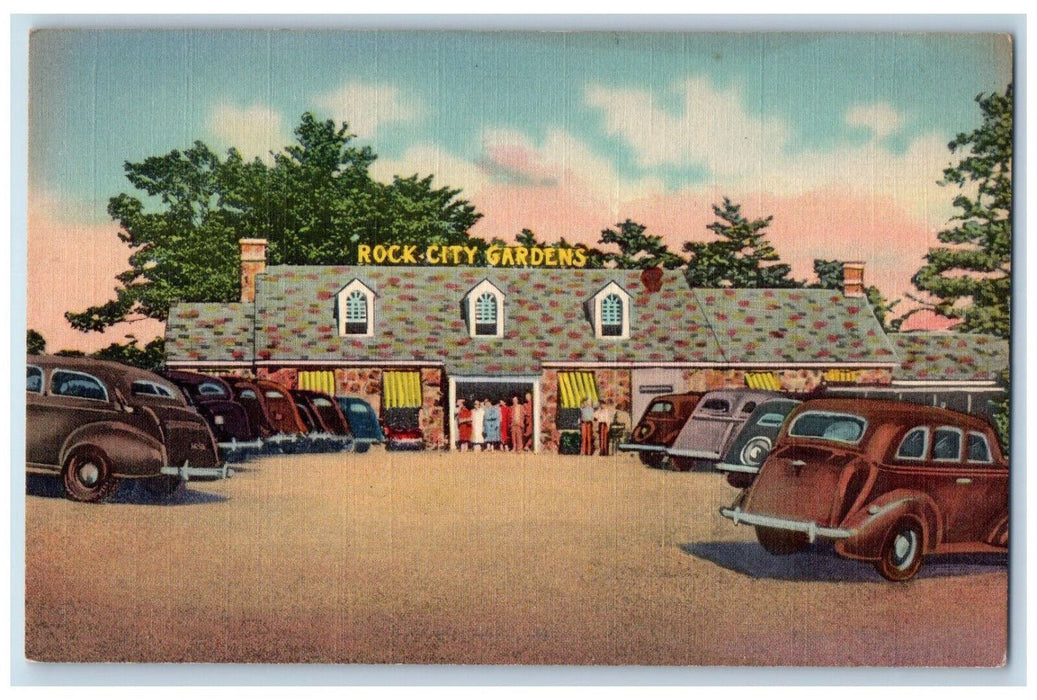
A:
(519, 348)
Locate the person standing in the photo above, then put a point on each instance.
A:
(527, 416)
(603, 420)
(505, 424)
(623, 421)
(477, 425)
(491, 425)
(464, 425)
(518, 424)
(587, 428)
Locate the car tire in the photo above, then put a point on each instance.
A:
(88, 475)
(902, 551)
(652, 459)
(683, 464)
(781, 542)
(755, 451)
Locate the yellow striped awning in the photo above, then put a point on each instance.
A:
(843, 376)
(576, 387)
(401, 390)
(322, 380)
(763, 380)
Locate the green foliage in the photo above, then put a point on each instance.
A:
(830, 276)
(742, 257)
(971, 276)
(152, 356)
(637, 251)
(314, 205)
(35, 344)
(1001, 417)
(595, 257)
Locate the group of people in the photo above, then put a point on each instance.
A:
(495, 426)
(597, 422)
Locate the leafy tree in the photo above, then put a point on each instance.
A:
(971, 276)
(314, 205)
(742, 257)
(35, 344)
(595, 257)
(152, 356)
(830, 276)
(637, 251)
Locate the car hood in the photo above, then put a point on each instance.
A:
(800, 483)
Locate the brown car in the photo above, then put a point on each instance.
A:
(659, 426)
(95, 421)
(272, 410)
(889, 482)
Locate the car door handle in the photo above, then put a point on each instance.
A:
(963, 480)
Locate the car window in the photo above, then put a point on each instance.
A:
(749, 407)
(716, 405)
(947, 444)
(34, 379)
(358, 408)
(661, 407)
(837, 427)
(771, 420)
(979, 449)
(273, 394)
(147, 388)
(247, 394)
(321, 402)
(211, 389)
(913, 445)
(77, 384)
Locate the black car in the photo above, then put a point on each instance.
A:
(754, 441)
(363, 423)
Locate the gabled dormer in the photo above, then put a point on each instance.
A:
(609, 311)
(354, 307)
(484, 311)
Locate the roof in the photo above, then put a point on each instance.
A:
(948, 356)
(419, 317)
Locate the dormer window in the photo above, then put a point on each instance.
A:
(356, 310)
(610, 312)
(485, 311)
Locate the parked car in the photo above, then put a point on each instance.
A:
(328, 429)
(403, 429)
(659, 426)
(363, 422)
(713, 425)
(95, 422)
(888, 481)
(271, 409)
(754, 441)
(214, 400)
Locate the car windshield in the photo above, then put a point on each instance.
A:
(147, 388)
(837, 427)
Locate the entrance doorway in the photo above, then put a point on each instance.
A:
(494, 389)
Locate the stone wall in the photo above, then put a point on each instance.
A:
(613, 388)
(798, 381)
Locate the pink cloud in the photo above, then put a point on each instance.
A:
(72, 266)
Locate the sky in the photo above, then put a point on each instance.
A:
(842, 138)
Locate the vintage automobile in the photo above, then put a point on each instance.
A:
(658, 428)
(403, 429)
(754, 441)
(363, 423)
(214, 400)
(95, 422)
(272, 411)
(713, 425)
(328, 429)
(888, 481)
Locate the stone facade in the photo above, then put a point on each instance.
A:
(613, 388)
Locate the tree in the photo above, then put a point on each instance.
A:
(637, 251)
(741, 258)
(35, 344)
(595, 257)
(314, 205)
(970, 277)
(830, 276)
(152, 356)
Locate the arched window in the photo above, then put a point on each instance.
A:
(356, 313)
(486, 314)
(612, 316)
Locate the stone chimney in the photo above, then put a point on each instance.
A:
(853, 279)
(253, 262)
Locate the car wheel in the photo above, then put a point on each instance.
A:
(902, 552)
(361, 447)
(682, 464)
(652, 459)
(755, 451)
(781, 541)
(88, 475)
(644, 431)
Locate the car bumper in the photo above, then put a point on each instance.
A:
(186, 472)
(634, 447)
(811, 528)
(693, 454)
(740, 468)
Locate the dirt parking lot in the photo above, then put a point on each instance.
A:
(474, 558)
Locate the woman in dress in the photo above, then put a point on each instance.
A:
(491, 425)
(464, 425)
(477, 425)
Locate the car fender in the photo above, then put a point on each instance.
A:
(871, 523)
(132, 452)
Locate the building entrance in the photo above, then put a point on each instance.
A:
(495, 390)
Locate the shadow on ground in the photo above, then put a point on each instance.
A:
(821, 563)
(128, 491)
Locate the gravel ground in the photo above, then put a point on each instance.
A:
(474, 558)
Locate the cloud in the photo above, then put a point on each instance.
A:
(367, 107)
(879, 117)
(255, 130)
(447, 169)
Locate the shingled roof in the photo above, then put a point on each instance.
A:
(949, 356)
(418, 317)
